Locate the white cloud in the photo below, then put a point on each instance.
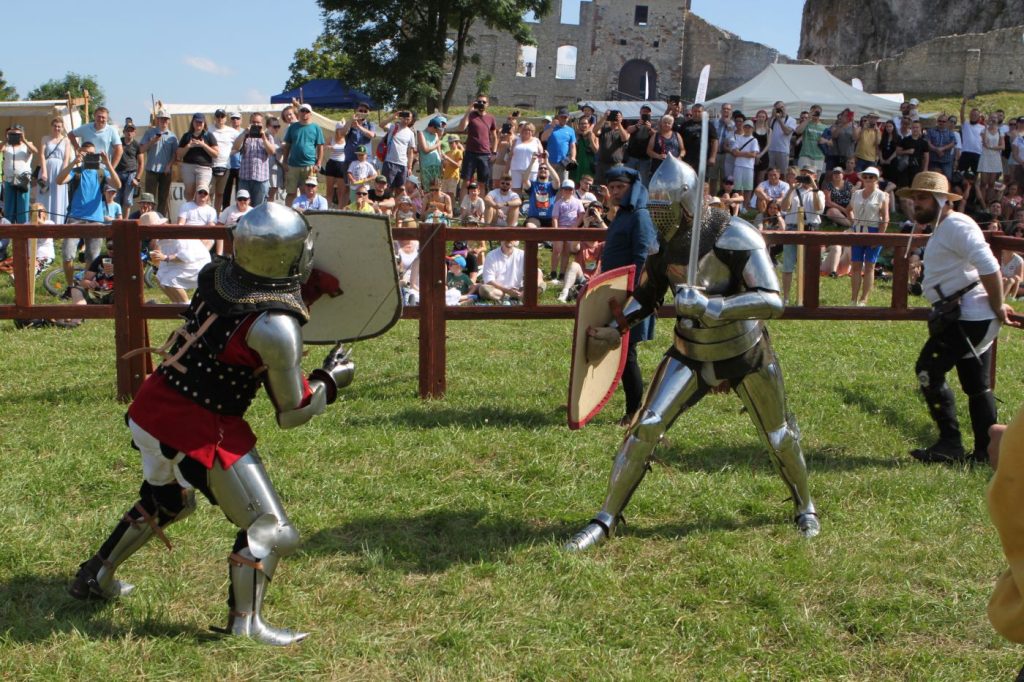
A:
(207, 65)
(254, 96)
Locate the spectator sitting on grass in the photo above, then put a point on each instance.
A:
(310, 199)
(111, 208)
(473, 210)
(585, 265)
(362, 203)
(404, 213)
(503, 204)
(408, 259)
(146, 203)
(460, 281)
(437, 205)
(96, 285)
(381, 196)
(568, 212)
(243, 204)
(503, 274)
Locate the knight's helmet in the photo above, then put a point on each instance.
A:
(674, 196)
(274, 244)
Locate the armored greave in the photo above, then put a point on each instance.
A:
(764, 396)
(157, 508)
(249, 500)
(674, 388)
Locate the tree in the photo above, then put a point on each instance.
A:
(7, 92)
(325, 59)
(400, 51)
(73, 83)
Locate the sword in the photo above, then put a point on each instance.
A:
(702, 166)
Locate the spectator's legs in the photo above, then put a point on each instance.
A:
(189, 178)
(230, 185)
(257, 190)
(571, 275)
(126, 195)
(779, 160)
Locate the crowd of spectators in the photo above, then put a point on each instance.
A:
(764, 165)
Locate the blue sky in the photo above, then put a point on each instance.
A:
(239, 53)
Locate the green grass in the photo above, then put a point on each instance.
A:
(1010, 102)
(431, 530)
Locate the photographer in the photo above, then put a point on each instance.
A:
(158, 147)
(257, 147)
(612, 139)
(781, 128)
(868, 138)
(636, 148)
(197, 149)
(560, 142)
(804, 194)
(481, 132)
(91, 171)
(18, 154)
(359, 131)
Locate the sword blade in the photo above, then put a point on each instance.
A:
(698, 215)
(702, 85)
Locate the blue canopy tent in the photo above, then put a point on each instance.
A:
(325, 92)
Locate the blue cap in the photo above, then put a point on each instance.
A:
(460, 261)
(199, 117)
(438, 122)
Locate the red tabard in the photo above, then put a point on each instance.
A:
(183, 424)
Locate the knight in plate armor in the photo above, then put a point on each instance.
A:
(720, 342)
(241, 332)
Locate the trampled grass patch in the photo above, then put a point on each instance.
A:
(432, 530)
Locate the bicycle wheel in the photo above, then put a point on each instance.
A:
(54, 281)
(149, 277)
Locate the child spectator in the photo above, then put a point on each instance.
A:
(583, 267)
(459, 282)
(362, 202)
(472, 209)
(361, 173)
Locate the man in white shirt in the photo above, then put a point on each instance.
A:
(502, 276)
(309, 200)
(503, 204)
(772, 189)
(964, 321)
(225, 136)
(401, 148)
(230, 215)
(970, 138)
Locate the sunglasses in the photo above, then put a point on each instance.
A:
(362, 194)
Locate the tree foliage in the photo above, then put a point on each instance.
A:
(74, 83)
(7, 91)
(325, 59)
(401, 52)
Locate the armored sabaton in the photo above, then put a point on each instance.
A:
(720, 342)
(241, 331)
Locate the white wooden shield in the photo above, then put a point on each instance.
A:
(357, 249)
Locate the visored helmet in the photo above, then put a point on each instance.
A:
(673, 196)
(274, 242)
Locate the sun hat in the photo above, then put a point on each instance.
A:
(931, 182)
(871, 170)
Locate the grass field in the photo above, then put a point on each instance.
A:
(432, 530)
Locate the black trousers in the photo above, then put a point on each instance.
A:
(632, 380)
(952, 349)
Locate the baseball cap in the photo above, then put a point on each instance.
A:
(547, 118)
(472, 185)
(202, 188)
(562, 111)
(438, 122)
(235, 114)
(129, 126)
(838, 169)
(729, 181)
(147, 198)
(914, 101)
(162, 113)
(748, 123)
(306, 107)
(242, 194)
(459, 260)
(361, 149)
(220, 113)
(380, 178)
(568, 184)
(198, 117)
(311, 180)
(108, 188)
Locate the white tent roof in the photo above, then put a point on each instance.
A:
(629, 109)
(800, 86)
(181, 115)
(35, 116)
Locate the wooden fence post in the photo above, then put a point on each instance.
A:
(129, 322)
(433, 341)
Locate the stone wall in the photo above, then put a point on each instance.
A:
(856, 31)
(733, 60)
(951, 65)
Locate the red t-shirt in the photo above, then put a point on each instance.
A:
(478, 132)
(185, 425)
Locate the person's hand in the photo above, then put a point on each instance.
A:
(108, 269)
(1004, 313)
(690, 302)
(135, 182)
(156, 256)
(89, 283)
(601, 341)
(995, 437)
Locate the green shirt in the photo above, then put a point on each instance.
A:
(809, 147)
(303, 140)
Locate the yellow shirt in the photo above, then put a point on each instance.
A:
(867, 145)
(450, 172)
(355, 207)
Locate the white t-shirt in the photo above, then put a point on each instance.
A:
(505, 270)
(361, 170)
(522, 154)
(44, 247)
(805, 198)
(225, 137)
(771, 191)
(470, 207)
(779, 141)
(230, 215)
(501, 197)
(745, 143)
(971, 134)
(398, 146)
(198, 215)
(1018, 149)
(1013, 266)
(956, 255)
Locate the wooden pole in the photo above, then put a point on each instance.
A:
(129, 322)
(433, 333)
(800, 269)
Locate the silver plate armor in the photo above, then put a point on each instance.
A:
(274, 242)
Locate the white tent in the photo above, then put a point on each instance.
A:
(181, 115)
(800, 86)
(35, 117)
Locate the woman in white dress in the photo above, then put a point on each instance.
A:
(180, 260)
(56, 150)
(523, 165)
(990, 165)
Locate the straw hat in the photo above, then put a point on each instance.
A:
(931, 182)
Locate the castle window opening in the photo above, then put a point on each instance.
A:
(640, 16)
(571, 11)
(526, 61)
(565, 65)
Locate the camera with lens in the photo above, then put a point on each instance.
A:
(515, 113)
(255, 130)
(479, 105)
(645, 117)
(803, 179)
(91, 160)
(14, 137)
(506, 128)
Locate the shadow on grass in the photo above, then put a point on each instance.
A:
(881, 409)
(434, 414)
(432, 541)
(713, 458)
(33, 608)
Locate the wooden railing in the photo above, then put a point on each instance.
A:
(131, 313)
